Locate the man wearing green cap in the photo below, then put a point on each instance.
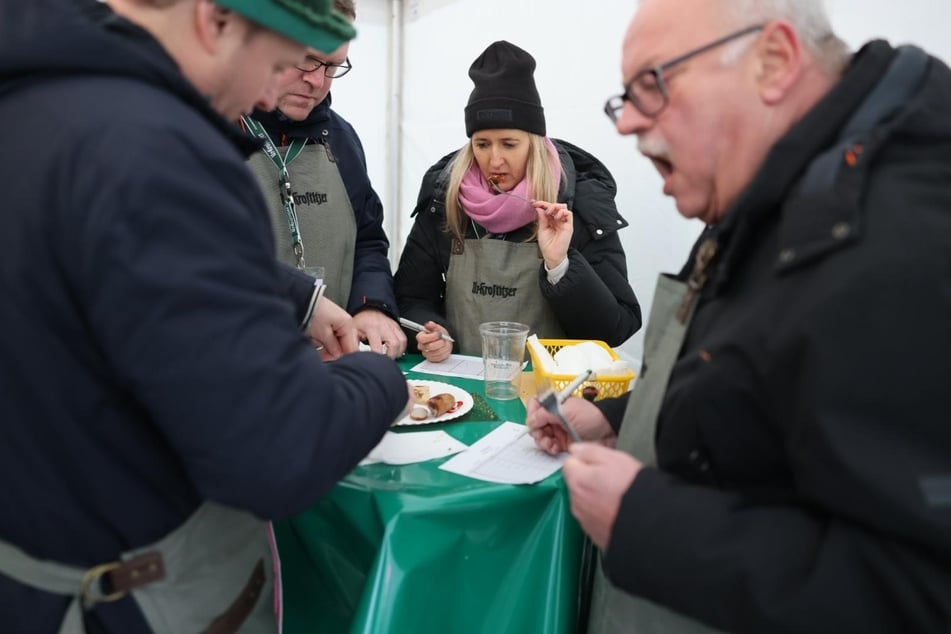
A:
(158, 397)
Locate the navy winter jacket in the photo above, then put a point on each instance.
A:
(149, 358)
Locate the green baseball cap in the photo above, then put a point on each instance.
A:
(312, 23)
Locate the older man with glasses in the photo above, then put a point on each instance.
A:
(325, 215)
(784, 461)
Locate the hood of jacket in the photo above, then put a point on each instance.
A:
(41, 40)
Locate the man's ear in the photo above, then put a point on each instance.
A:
(211, 21)
(779, 59)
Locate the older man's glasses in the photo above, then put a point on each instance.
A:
(647, 91)
(332, 71)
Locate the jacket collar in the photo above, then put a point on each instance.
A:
(278, 125)
(772, 193)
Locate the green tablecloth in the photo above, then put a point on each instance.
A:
(413, 549)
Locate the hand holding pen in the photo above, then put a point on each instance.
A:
(433, 340)
(556, 420)
(412, 325)
(551, 401)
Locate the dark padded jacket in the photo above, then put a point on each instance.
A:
(804, 441)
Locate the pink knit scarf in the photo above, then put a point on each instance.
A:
(496, 212)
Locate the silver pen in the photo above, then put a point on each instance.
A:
(412, 325)
(551, 401)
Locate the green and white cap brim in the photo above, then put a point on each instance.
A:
(312, 23)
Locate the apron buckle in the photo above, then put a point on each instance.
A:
(91, 593)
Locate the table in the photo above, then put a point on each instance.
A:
(413, 549)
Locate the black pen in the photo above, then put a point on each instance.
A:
(412, 325)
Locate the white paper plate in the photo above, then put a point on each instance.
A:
(463, 402)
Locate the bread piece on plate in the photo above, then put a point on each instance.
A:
(419, 412)
(441, 403)
(420, 393)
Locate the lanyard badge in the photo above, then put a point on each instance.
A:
(284, 181)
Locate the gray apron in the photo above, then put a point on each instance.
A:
(213, 574)
(495, 280)
(612, 610)
(326, 223)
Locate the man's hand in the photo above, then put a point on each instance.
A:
(377, 328)
(597, 478)
(587, 420)
(332, 330)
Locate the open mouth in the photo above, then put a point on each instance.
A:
(662, 165)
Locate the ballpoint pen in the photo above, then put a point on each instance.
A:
(412, 325)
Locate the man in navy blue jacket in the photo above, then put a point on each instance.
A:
(151, 364)
(337, 212)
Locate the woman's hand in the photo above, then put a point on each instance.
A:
(555, 228)
(433, 347)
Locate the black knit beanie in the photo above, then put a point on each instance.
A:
(504, 95)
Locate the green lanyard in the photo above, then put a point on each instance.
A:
(287, 197)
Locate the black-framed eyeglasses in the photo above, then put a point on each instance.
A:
(333, 71)
(647, 91)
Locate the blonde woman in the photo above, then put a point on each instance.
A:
(514, 226)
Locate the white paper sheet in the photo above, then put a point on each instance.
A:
(465, 366)
(507, 455)
(409, 447)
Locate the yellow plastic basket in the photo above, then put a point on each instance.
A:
(608, 386)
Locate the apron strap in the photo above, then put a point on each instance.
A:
(83, 585)
(50, 576)
(62, 579)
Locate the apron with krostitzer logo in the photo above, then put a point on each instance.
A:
(320, 223)
(495, 280)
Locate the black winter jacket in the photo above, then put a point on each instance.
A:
(148, 358)
(594, 300)
(804, 442)
(372, 277)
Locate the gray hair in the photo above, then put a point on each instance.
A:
(808, 18)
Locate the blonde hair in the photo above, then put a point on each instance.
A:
(542, 182)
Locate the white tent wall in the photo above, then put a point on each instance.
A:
(409, 120)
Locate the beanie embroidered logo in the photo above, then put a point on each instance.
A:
(504, 95)
(497, 115)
